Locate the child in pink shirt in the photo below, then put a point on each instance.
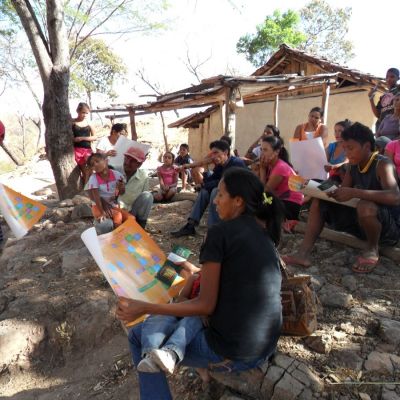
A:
(168, 177)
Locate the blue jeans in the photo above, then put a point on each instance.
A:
(198, 355)
(167, 332)
(141, 207)
(204, 200)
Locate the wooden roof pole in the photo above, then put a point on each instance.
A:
(326, 89)
(230, 116)
(276, 110)
(132, 123)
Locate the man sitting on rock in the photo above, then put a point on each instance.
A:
(222, 161)
(137, 199)
(369, 177)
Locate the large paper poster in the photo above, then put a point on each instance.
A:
(308, 158)
(317, 189)
(19, 211)
(133, 264)
(122, 145)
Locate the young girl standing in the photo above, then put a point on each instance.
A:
(83, 136)
(104, 186)
(168, 177)
(239, 291)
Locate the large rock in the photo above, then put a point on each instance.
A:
(349, 356)
(81, 211)
(74, 261)
(78, 199)
(288, 378)
(91, 324)
(18, 341)
(288, 388)
(61, 214)
(389, 395)
(66, 203)
(247, 382)
(334, 296)
(350, 282)
(320, 343)
(390, 331)
(274, 374)
(379, 362)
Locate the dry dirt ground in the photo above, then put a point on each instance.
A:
(59, 338)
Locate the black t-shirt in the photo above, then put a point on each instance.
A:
(247, 319)
(212, 181)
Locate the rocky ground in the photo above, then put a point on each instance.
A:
(59, 338)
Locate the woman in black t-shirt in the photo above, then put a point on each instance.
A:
(84, 135)
(239, 290)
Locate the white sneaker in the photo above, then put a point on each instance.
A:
(148, 365)
(165, 359)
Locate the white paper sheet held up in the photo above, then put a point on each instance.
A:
(308, 158)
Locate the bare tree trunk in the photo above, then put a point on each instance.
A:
(58, 134)
(164, 131)
(40, 126)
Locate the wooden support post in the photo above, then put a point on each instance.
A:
(326, 89)
(230, 116)
(276, 110)
(164, 132)
(133, 123)
(349, 240)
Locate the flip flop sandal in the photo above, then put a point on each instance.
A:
(289, 260)
(364, 265)
(289, 225)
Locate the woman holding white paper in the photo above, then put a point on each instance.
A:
(108, 144)
(239, 289)
(313, 128)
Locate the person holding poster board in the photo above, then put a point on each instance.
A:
(108, 144)
(376, 218)
(313, 128)
(240, 297)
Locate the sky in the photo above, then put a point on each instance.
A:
(211, 29)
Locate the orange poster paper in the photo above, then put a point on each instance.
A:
(20, 212)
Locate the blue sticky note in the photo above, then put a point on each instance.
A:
(156, 267)
(142, 261)
(120, 264)
(112, 267)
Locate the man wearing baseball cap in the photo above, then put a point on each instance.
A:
(137, 198)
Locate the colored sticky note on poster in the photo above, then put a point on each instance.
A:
(131, 262)
(19, 211)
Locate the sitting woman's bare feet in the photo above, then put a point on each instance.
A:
(297, 260)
